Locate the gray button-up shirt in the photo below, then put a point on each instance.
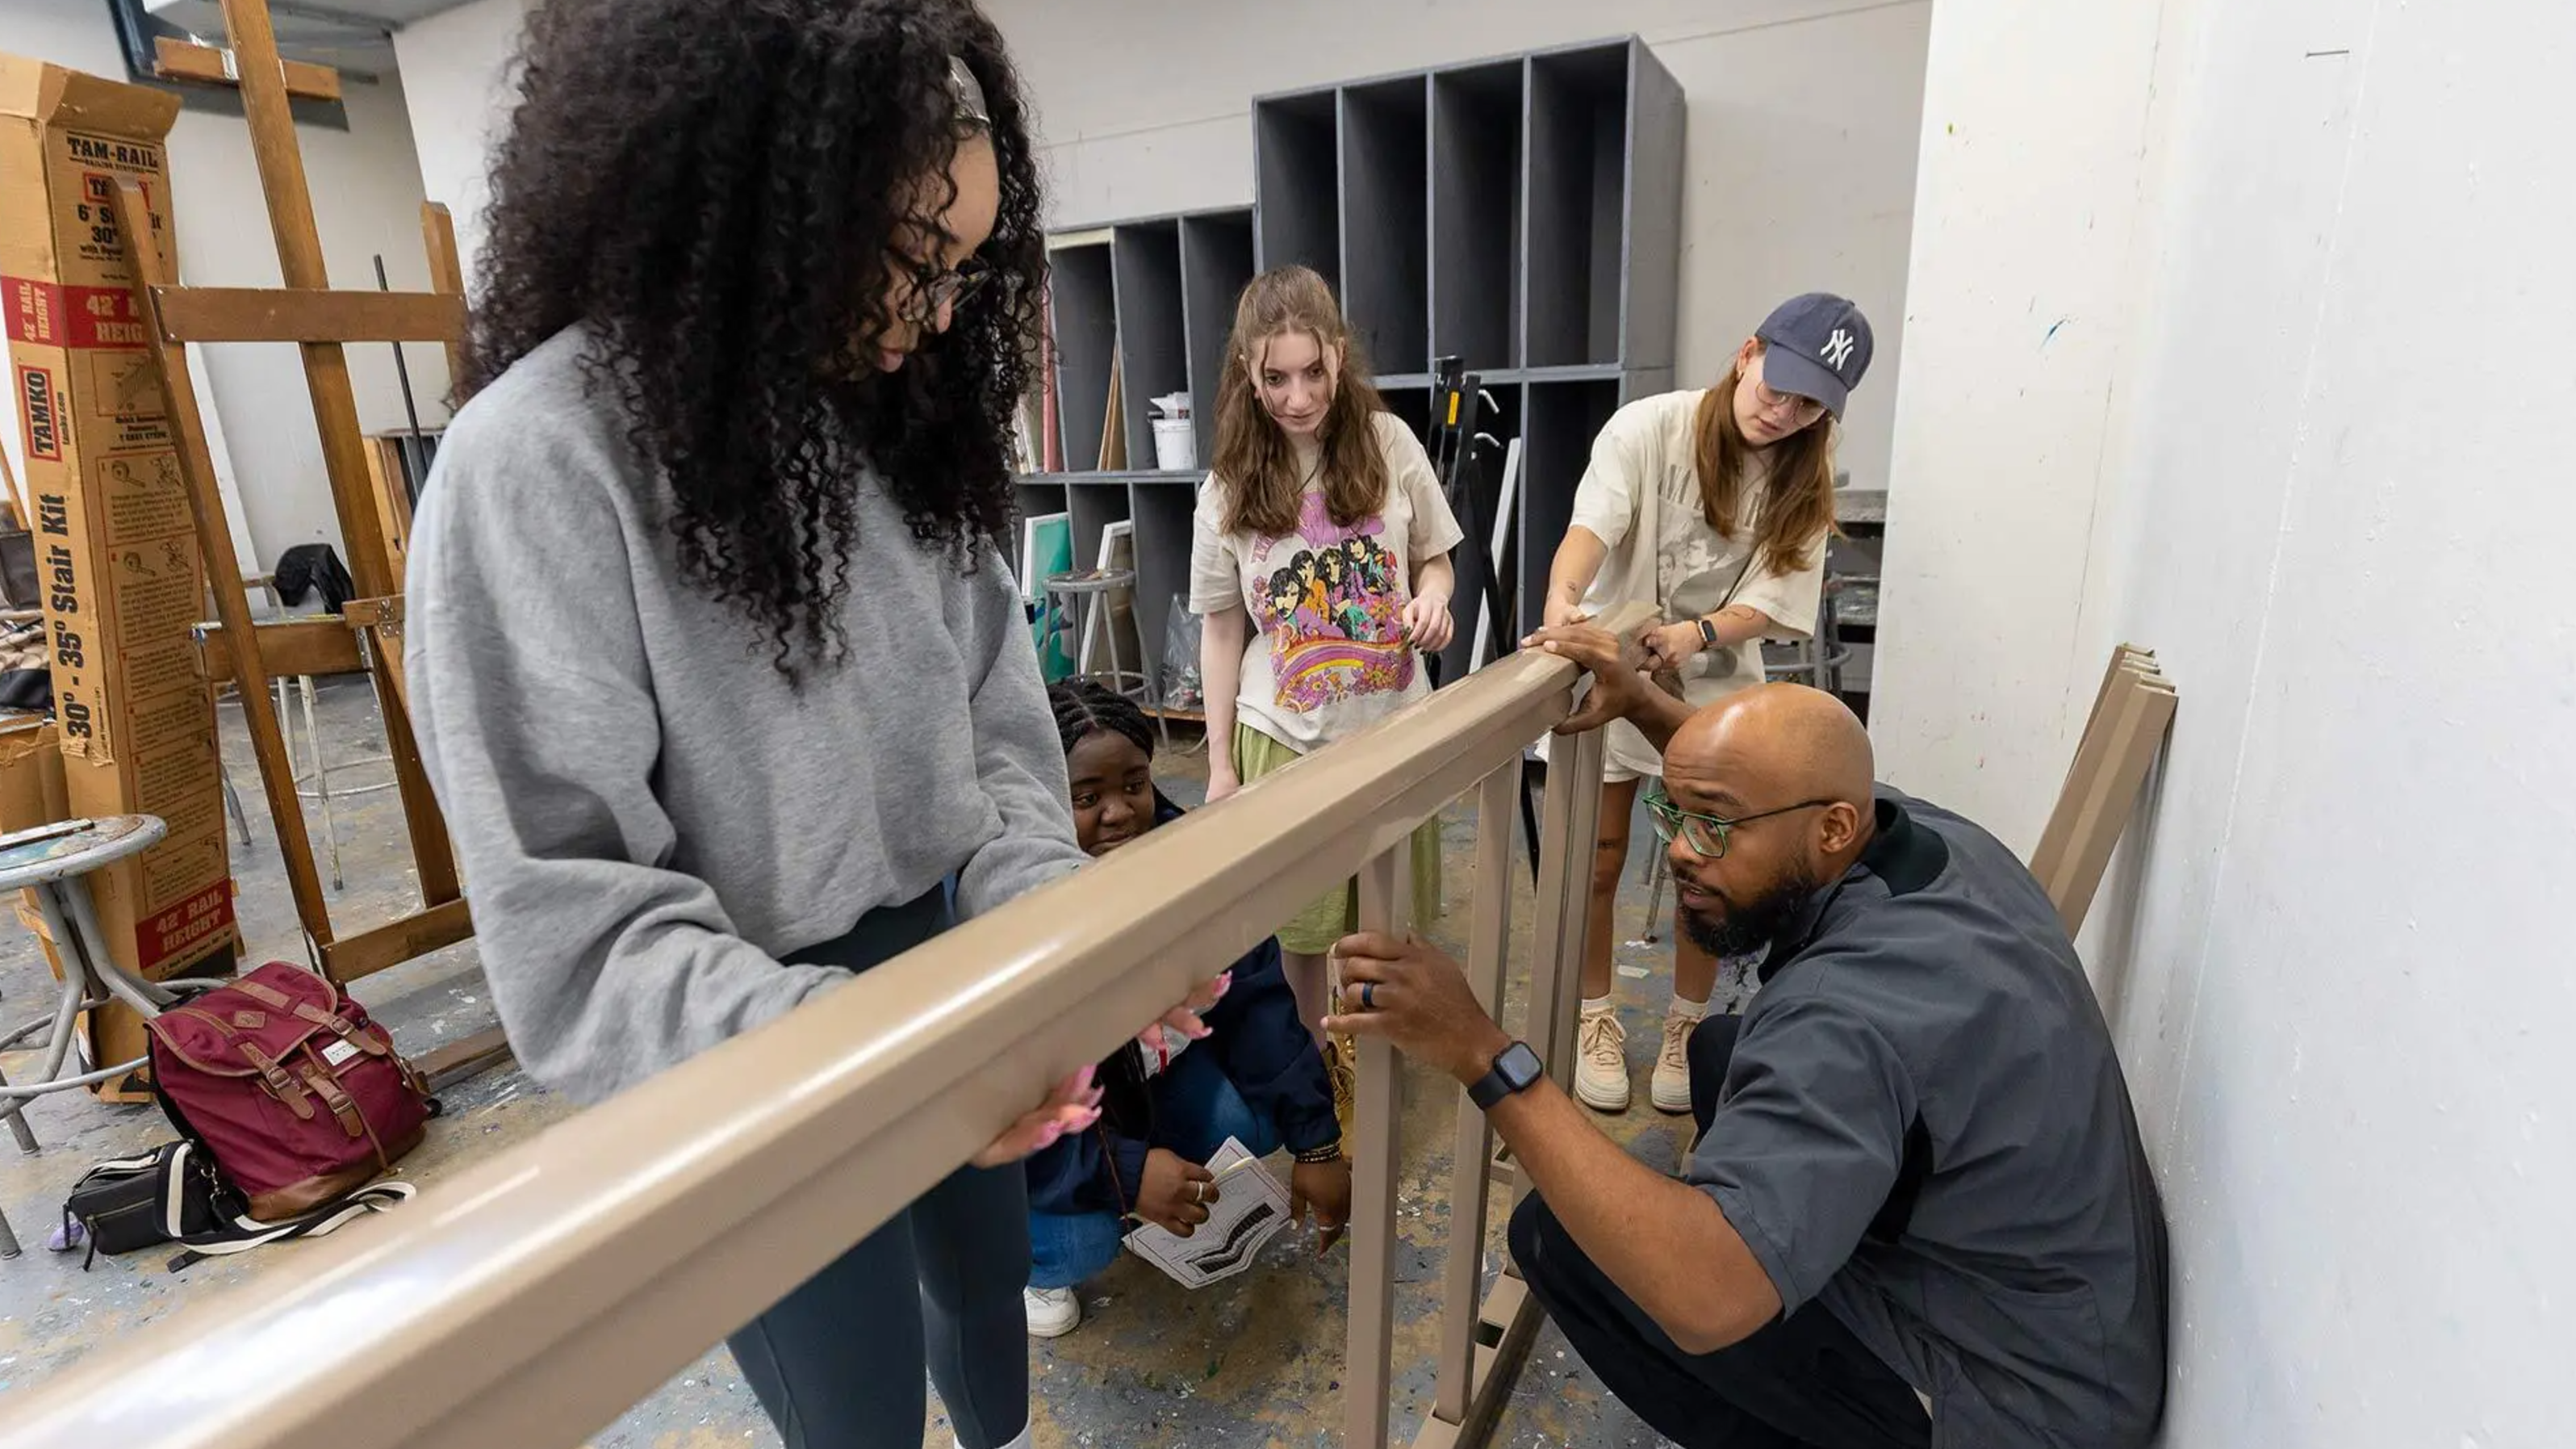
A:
(1925, 1132)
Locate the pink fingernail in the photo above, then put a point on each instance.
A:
(1224, 982)
(1087, 1119)
(1084, 1077)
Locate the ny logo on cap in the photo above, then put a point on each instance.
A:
(1837, 349)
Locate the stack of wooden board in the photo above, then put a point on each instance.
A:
(2127, 728)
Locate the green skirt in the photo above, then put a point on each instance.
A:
(1336, 913)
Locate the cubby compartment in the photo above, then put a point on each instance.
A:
(1578, 166)
(1094, 506)
(1410, 404)
(1161, 511)
(1556, 445)
(1386, 228)
(1476, 214)
(1216, 265)
(1083, 300)
(1037, 497)
(1153, 345)
(1498, 418)
(1296, 183)
(1650, 314)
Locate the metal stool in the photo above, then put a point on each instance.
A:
(1822, 654)
(315, 772)
(1081, 594)
(51, 863)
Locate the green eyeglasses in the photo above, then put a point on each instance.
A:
(1706, 835)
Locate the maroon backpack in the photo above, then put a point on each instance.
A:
(300, 1097)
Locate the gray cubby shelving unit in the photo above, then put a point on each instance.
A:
(1159, 292)
(1522, 212)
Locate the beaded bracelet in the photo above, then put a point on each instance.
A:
(1318, 1156)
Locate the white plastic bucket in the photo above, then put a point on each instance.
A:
(1176, 446)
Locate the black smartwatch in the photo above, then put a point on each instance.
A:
(1707, 633)
(1513, 1071)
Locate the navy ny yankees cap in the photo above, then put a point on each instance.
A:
(1819, 346)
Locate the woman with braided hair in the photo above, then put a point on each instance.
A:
(1171, 1102)
(720, 676)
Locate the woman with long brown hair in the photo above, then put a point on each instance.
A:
(1714, 506)
(1319, 563)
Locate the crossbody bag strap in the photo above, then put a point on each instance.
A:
(245, 1233)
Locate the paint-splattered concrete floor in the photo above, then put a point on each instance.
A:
(1252, 1361)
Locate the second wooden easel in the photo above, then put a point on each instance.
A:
(367, 636)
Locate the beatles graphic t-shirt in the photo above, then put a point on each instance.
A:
(1327, 654)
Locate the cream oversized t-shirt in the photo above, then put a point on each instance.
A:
(1328, 655)
(1641, 497)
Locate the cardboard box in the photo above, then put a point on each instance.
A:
(116, 554)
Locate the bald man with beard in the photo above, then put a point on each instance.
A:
(1918, 1211)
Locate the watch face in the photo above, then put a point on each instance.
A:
(1519, 1066)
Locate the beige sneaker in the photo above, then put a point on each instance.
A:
(1601, 1062)
(1671, 1088)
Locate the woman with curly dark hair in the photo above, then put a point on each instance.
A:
(721, 679)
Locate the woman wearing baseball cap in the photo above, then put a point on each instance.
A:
(1714, 506)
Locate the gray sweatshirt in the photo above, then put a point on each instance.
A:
(648, 816)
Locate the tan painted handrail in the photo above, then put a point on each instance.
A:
(541, 1292)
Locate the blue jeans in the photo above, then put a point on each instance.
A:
(1195, 1110)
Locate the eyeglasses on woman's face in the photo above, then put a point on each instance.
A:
(1800, 411)
(1707, 835)
(929, 300)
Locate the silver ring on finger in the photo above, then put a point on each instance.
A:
(1198, 1192)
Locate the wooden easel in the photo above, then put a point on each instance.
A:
(367, 637)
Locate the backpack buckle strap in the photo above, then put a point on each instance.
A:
(280, 1085)
(342, 1105)
(363, 1041)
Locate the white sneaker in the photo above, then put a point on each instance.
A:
(1053, 1312)
(1601, 1062)
(1671, 1089)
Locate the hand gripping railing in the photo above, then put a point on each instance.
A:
(536, 1295)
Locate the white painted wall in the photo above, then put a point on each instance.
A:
(453, 68)
(1803, 119)
(366, 199)
(2305, 435)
